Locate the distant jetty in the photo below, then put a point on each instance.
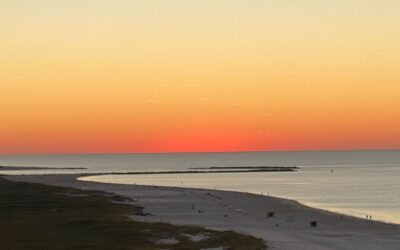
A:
(209, 170)
(12, 168)
(253, 168)
(199, 170)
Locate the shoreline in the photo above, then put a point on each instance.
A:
(289, 228)
(305, 204)
(310, 204)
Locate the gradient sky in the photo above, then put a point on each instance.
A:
(90, 76)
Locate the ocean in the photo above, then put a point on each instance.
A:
(356, 183)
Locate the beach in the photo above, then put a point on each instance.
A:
(282, 223)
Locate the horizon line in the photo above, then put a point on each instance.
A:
(197, 152)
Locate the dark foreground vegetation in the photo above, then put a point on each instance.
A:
(34, 216)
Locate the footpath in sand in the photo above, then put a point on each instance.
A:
(287, 229)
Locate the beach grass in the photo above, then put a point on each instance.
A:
(35, 216)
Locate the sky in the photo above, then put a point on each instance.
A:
(126, 76)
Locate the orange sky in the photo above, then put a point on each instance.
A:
(181, 76)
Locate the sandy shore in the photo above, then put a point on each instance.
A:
(289, 228)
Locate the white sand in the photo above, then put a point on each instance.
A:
(196, 237)
(246, 213)
(167, 241)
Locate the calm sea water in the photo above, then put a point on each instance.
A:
(351, 182)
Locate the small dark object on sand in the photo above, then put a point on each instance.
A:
(313, 224)
(143, 214)
(270, 214)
